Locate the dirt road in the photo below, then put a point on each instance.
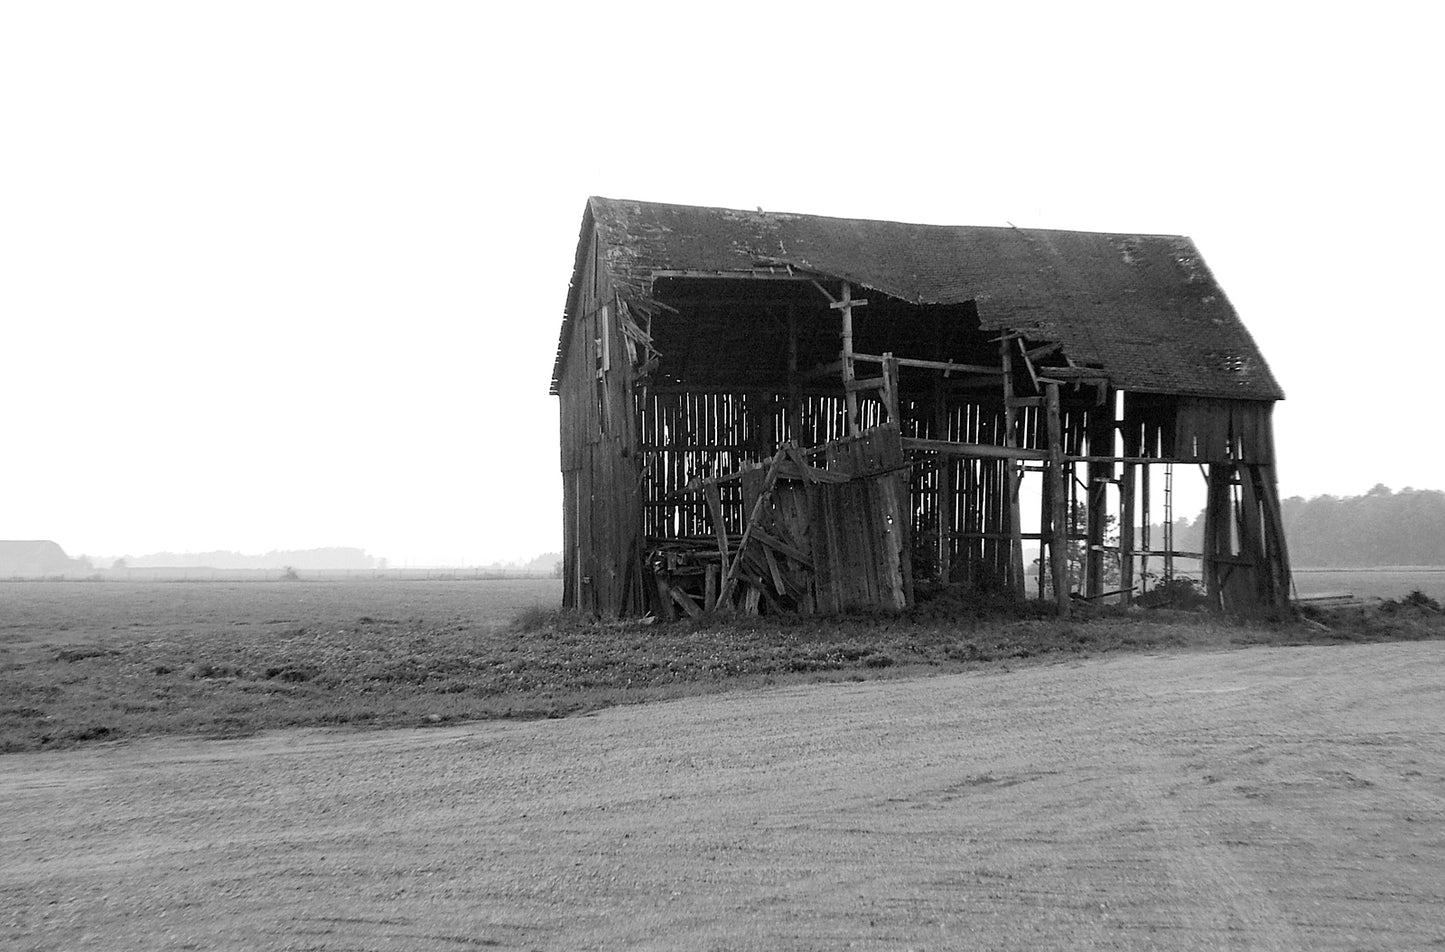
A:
(1254, 799)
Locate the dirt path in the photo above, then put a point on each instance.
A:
(1260, 799)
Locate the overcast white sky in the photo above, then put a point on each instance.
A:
(288, 275)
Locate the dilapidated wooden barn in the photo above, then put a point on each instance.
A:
(768, 412)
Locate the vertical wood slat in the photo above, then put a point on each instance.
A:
(1059, 535)
(1278, 553)
(945, 486)
(1015, 566)
(1100, 476)
(1251, 539)
(1216, 532)
(1127, 498)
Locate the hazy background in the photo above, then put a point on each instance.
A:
(290, 275)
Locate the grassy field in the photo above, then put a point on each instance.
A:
(85, 662)
(1390, 582)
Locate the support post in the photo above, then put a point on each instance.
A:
(946, 465)
(1059, 536)
(1146, 523)
(1101, 443)
(1046, 528)
(1217, 540)
(1127, 496)
(795, 400)
(1013, 475)
(845, 303)
(890, 391)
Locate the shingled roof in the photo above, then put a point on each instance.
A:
(1143, 308)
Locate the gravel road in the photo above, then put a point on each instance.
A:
(1284, 798)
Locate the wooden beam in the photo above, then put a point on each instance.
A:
(1028, 364)
(946, 498)
(795, 399)
(972, 450)
(1127, 496)
(685, 600)
(1101, 437)
(1013, 476)
(754, 521)
(1058, 543)
(792, 552)
(944, 365)
(845, 304)
(890, 390)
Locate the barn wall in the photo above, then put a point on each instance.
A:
(601, 526)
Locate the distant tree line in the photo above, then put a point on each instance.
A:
(1382, 527)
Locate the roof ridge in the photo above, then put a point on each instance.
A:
(881, 221)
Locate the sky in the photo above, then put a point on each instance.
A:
(290, 275)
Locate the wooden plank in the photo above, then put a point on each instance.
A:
(1042, 351)
(664, 598)
(971, 450)
(795, 401)
(810, 474)
(845, 304)
(714, 508)
(753, 521)
(1028, 364)
(894, 525)
(805, 472)
(866, 383)
(1251, 538)
(685, 600)
(890, 389)
(773, 570)
(1278, 552)
(1013, 477)
(947, 366)
(826, 560)
(1100, 437)
(1058, 544)
(1216, 500)
(791, 551)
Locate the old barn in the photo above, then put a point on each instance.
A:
(765, 412)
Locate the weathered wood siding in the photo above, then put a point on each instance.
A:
(602, 561)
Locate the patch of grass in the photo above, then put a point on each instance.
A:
(329, 668)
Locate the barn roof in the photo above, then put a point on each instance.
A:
(1143, 308)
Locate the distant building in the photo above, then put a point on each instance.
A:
(35, 558)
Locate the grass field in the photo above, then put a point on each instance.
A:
(1389, 582)
(84, 662)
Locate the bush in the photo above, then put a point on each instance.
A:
(1180, 592)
